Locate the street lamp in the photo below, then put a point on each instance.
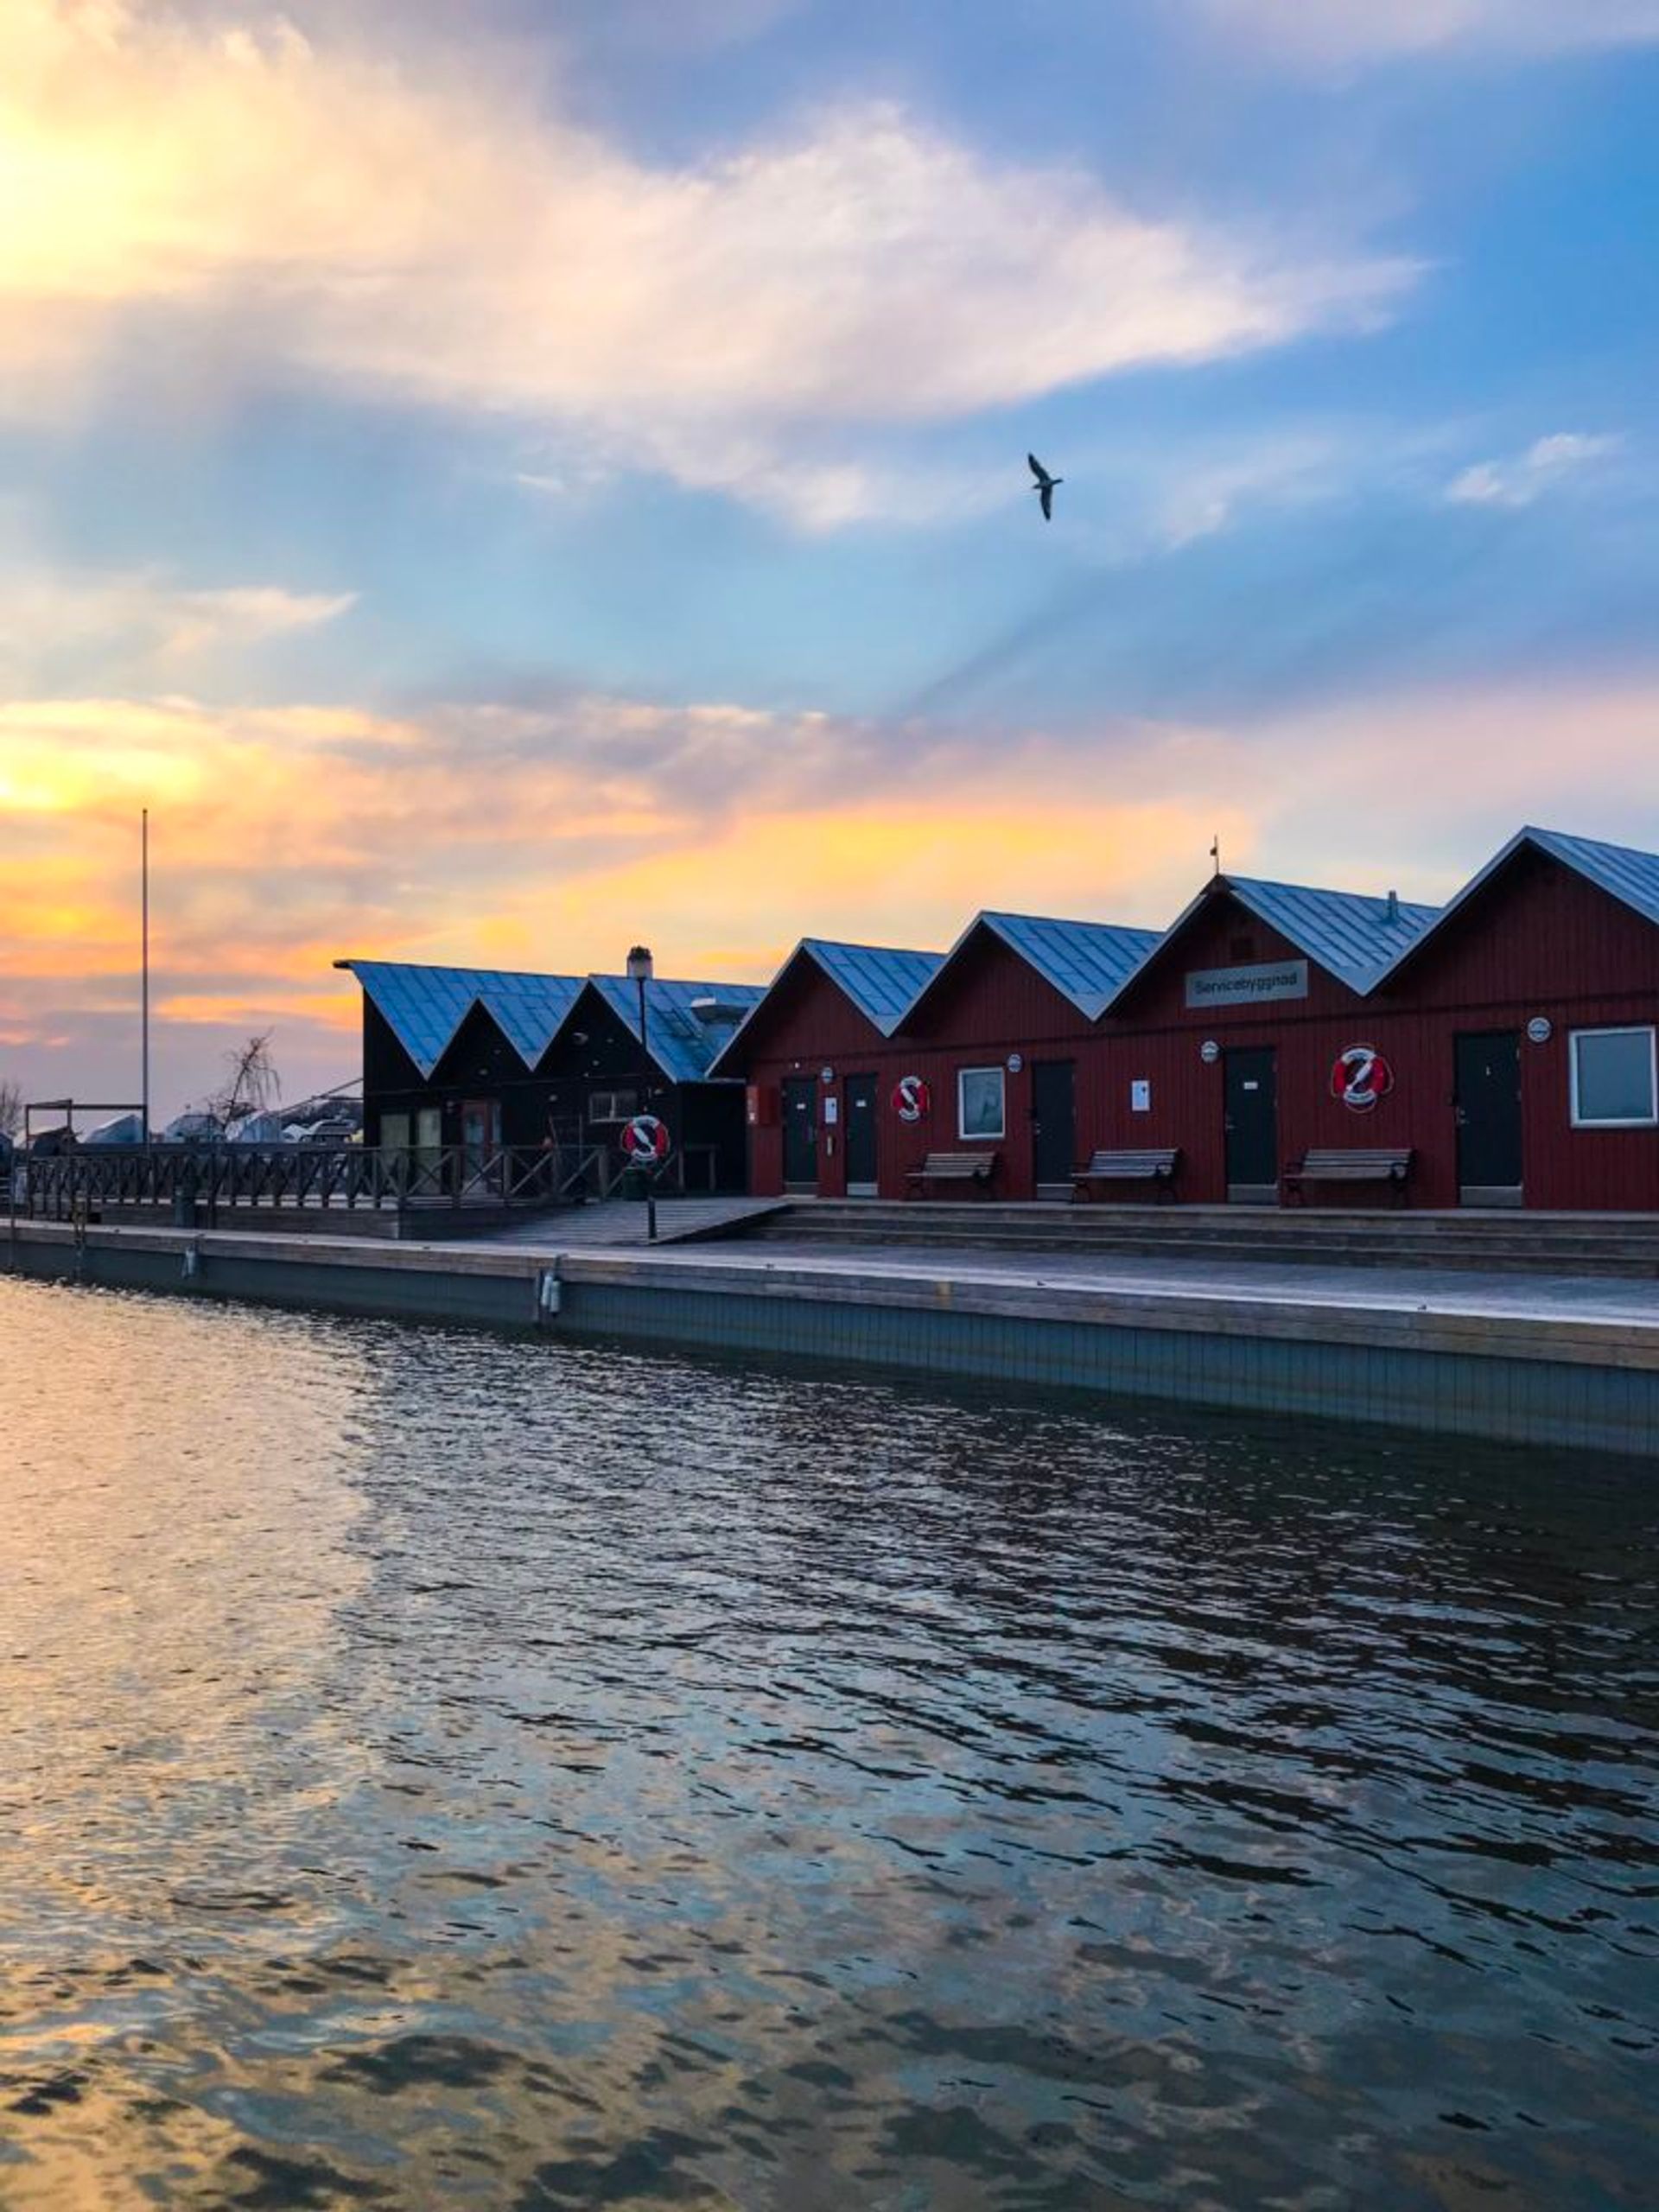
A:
(639, 967)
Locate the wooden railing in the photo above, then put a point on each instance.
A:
(208, 1179)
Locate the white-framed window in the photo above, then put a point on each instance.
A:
(612, 1105)
(979, 1101)
(1615, 1083)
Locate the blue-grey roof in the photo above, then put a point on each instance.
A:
(1088, 963)
(880, 980)
(683, 1043)
(1353, 937)
(1622, 871)
(1630, 875)
(425, 1006)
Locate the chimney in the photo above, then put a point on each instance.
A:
(1394, 909)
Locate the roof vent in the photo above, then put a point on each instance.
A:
(1394, 909)
(718, 1013)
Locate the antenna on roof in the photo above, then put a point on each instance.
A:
(1215, 854)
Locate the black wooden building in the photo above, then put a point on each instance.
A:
(474, 1059)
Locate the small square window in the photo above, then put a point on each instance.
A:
(612, 1105)
(979, 1101)
(1613, 1081)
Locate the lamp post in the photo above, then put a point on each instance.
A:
(639, 967)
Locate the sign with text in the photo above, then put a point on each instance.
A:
(1268, 979)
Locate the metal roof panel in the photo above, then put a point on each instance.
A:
(1623, 871)
(880, 980)
(683, 1044)
(1628, 874)
(424, 1006)
(1088, 963)
(1353, 935)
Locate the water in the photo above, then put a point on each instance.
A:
(448, 1771)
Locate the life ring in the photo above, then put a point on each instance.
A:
(912, 1099)
(1360, 1077)
(644, 1138)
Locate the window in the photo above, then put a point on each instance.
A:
(1614, 1084)
(979, 1101)
(612, 1105)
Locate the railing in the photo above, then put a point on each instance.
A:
(207, 1179)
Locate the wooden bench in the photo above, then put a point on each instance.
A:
(974, 1168)
(1146, 1166)
(1390, 1167)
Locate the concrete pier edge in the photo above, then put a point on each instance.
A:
(1544, 1378)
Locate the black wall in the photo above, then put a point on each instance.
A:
(594, 1049)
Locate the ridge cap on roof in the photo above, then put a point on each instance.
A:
(1577, 837)
(864, 944)
(1063, 921)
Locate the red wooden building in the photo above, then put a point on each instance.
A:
(1506, 1042)
(993, 1045)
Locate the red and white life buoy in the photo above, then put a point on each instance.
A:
(912, 1099)
(1360, 1077)
(645, 1140)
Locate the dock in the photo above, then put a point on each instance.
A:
(1565, 1360)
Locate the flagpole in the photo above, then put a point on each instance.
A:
(144, 871)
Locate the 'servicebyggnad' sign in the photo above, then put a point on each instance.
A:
(1269, 979)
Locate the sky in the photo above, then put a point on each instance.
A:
(505, 479)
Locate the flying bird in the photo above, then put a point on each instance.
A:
(1044, 486)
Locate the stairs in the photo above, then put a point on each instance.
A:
(1625, 1245)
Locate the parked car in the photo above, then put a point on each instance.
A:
(335, 1132)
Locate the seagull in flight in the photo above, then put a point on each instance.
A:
(1044, 486)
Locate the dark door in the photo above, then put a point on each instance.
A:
(1489, 1117)
(480, 1131)
(1054, 1121)
(801, 1131)
(860, 1137)
(1252, 1125)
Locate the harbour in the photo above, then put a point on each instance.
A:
(448, 1768)
(1506, 1355)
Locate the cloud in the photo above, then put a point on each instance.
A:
(431, 233)
(554, 836)
(1546, 464)
(1344, 32)
(137, 621)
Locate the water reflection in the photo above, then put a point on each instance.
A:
(448, 1768)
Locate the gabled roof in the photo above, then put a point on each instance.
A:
(683, 1043)
(1622, 871)
(425, 1006)
(1352, 936)
(880, 980)
(1088, 963)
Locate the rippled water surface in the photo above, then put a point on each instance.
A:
(445, 1770)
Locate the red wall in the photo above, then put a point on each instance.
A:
(987, 1007)
(805, 1024)
(1543, 942)
(1537, 941)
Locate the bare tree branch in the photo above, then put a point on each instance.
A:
(251, 1081)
